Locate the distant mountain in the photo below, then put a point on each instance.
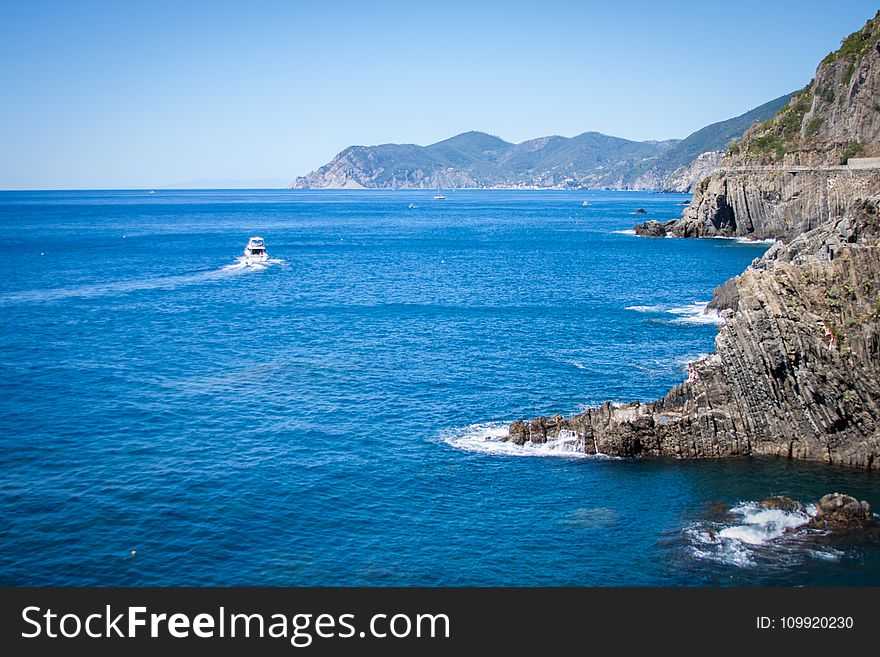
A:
(588, 161)
(700, 153)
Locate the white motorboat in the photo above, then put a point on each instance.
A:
(255, 251)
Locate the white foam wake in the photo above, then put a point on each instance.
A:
(136, 285)
(628, 231)
(243, 263)
(486, 438)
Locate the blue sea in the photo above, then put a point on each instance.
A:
(171, 416)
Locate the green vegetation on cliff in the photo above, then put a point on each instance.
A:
(810, 127)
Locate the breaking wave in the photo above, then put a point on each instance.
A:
(486, 438)
(746, 240)
(752, 533)
(695, 313)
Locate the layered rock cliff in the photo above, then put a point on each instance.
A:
(782, 202)
(796, 371)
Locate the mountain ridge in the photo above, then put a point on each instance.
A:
(589, 160)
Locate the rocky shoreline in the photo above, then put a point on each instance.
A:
(796, 373)
(796, 368)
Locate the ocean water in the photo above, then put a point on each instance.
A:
(322, 419)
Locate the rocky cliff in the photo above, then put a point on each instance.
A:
(789, 174)
(796, 371)
(780, 202)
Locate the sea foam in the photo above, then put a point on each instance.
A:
(486, 438)
(752, 532)
(695, 313)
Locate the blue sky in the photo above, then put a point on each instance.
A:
(145, 94)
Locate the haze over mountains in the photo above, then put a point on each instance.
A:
(588, 161)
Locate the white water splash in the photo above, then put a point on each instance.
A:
(752, 527)
(695, 313)
(746, 240)
(486, 438)
(645, 309)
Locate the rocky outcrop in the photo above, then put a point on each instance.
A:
(796, 373)
(652, 228)
(840, 511)
(783, 503)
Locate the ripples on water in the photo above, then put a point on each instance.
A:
(323, 419)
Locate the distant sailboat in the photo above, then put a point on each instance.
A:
(439, 195)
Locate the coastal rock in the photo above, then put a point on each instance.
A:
(837, 510)
(652, 228)
(804, 166)
(685, 179)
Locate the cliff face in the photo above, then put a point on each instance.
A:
(788, 175)
(835, 117)
(796, 372)
(686, 179)
(774, 202)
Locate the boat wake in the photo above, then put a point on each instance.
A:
(752, 534)
(137, 285)
(246, 264)
(695, 313)
(486, 438)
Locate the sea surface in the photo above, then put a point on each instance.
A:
(171, 416)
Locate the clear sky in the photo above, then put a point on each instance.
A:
(146, 94)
